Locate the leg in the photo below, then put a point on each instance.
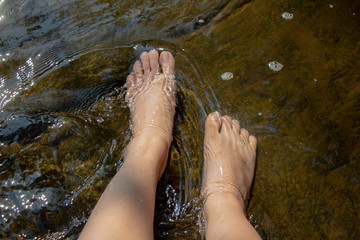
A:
(229, 162)
(126, 208)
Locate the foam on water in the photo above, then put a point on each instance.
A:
(287, 16)
(275, 66)
(227, 76)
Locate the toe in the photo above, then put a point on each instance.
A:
(226, 124)
(213, 124)
(154, 61)
(130, 81)
(145, 60)
(244, 134)
(252, 141)
(138, 70)
(167, 63)
(227, 118)
(235, 125)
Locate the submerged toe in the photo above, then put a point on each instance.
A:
(154, 61)
(226, 124)
(213, 123)
(235, 125)
(244, 134)
(130, 83)
(167, 63)
(145, 60)
(253, 141)
(138, 69)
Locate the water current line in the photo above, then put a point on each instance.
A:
(38, 67)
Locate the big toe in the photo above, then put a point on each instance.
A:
(213, 124)
(167, 63)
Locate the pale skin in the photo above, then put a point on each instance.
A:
(126, 208)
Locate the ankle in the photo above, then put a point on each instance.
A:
(148, 152)
(223, 203)
(153, 136)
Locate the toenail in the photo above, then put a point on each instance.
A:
(241, 143)
(215, 116)
(153, 51)
(165, 56)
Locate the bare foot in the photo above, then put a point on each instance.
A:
(151, 95)
(126, 208)
(151, 99)
(229, 158)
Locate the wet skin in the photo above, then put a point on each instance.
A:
(151, 94)
(151, 98)
(126, 208)
(229, 154)
(229, 163)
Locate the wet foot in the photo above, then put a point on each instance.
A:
(151, 99)
(126, 208)
(151, 95)
(229, 159)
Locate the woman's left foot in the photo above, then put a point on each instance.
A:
(151, 95)
(151, 99)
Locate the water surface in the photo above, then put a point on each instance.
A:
(64, 122)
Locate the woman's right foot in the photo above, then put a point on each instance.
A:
(229, 159)
(229, 163)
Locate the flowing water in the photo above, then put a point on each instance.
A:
(288, 70)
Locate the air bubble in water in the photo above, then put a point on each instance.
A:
(287, 16)
(227, 76)
(275, 66)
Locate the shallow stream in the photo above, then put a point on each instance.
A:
(287, 70)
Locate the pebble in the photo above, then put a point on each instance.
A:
(275, 66)
(227, 76)
(201, 21)
(287, 16)
(331, 6)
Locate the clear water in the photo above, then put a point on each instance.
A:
(64, 124)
